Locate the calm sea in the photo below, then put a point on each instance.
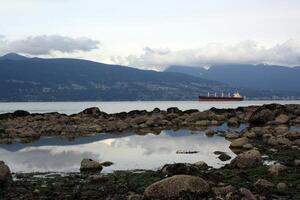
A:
(114, 107)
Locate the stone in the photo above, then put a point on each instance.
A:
(197, 116)
(224, 157)
(179, 168)
(247, 194)
(106, 164)
(248, 159)
(21, 113)
(233, 122)
(247, 146)
(284, 141)
(89, 165)
(201, 165)
(238, 143)
(249, 134)
(261, 116)
(263, 185)
(5, 174)
(174, 110)
(272, 141)
(277, 170)
(93, 111)
(231, 136)
(170, 188)
(210, 132)
(282, 119)
(139, 120)
(297, 163)
(135, 197)
(282, 187)
(222, 191)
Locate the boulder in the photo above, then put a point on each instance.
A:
(239, 143)
(282, 187)
(282, 119)
(284, 141)
(248, 159)
(173, 187)
(179, 168)
(263, 185)
(297, 163)
(93, 111)
(261, 116)
(224, 157)
(89, 165)
(231, 136)
(139, 120)
(201, 165)
(222, 191)
(277, 170)
(174, 110)
(210, 132)
(249, 134)
(233, 122)
(197, 116)
(21, 113)
(247, 146)
(247, 194)
(5, 174)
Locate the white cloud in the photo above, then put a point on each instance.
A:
(45, 44)
(248, 52)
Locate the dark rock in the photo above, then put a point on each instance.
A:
(174, 110)
(261, 116)
(21, 113)
(262, 185)
(89, 165)
(179, 168)
(224, 157)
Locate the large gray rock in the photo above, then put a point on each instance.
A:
(89, 165)
(239, 143)
(170, 188)
(5, 174)
(248, 159)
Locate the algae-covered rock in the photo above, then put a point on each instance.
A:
(171, 188)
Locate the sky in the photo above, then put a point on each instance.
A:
(154, 34)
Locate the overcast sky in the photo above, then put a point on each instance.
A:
(154, 34)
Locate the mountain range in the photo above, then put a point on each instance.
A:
(61, 79)
(36, 79)
(279, 79)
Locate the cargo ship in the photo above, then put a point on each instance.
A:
(235, 97)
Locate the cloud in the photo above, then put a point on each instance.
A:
(45, 44)
(247, 52)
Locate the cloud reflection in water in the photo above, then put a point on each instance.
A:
(129, 152)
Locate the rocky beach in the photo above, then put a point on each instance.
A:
(266, 166)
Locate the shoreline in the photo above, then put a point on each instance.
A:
(268, 137)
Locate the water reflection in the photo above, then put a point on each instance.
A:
(126, 151)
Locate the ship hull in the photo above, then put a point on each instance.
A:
(204, 98)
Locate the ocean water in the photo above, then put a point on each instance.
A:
(114, 107)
